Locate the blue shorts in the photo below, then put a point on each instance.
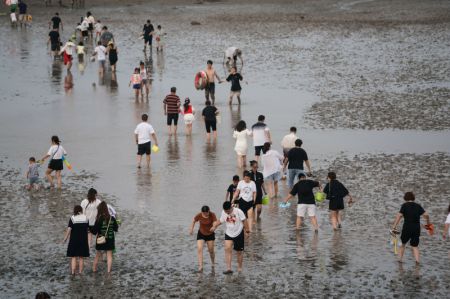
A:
(274, 177)
(33, 180)
(137, 86)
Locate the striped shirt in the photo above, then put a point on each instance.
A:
(172, 102)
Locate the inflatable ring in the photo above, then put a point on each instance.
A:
(200, 80)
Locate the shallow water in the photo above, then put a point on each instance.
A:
(155, 255)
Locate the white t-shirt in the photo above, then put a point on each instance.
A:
(260, 132)
(234, 222)
(246, 190)
(288, 141)
(101, 52)
(229, 53)
(56, 153)
(68, 48)
(98, 27)
(84, 25)
(144, 130)
(91, 20)
(271, 162)
(447, 221)
(90, 209)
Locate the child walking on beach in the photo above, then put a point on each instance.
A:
(232, 188)
(32, 174)
(136, 81)
(78, 242)
(188, 115)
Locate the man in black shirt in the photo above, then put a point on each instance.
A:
(232, 189)
(54, 41)
(411, 212)
(306, 202)
(148, 34)
(56, 22)
(236, 88)
(209, 114)
(294, 161)
(258, 178)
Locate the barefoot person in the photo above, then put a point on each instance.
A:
(336, 192)
(54, 41)
(171, 109)
(271, 162)
(240, 134)
(306, 202)
(206, 219)
(143, 132)
(236, 88)
(246, 193)
(209, 114)
(55, 22)
(32, 174)
(231, 56)
(188, 116)
(210, 88)
(261, 135)
(294, 162)
(411, 213)
(258, 178)
(55, 153)
(236, 224)
(68, 50)
(147, 32)
(89, 206)
(145, 83)
(78, 243)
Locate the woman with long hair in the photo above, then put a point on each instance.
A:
(105, 227)
(188, 115)
(55, 153)
(89, 206)
(240, 134)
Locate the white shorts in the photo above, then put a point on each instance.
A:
(189, 118)
(303, 208)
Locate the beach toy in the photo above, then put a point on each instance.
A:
(29, 18)
(394, 238)
(200, 80)
(429, 228)
(155, 148)
(320, 196)
(284, 205)
(265, 200)
(67, 163)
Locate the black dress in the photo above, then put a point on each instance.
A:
(112, 56)
(100, 227)
(335, 194)
(78, 243)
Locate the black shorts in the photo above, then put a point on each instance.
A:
(210, 125)
(90, 27)
(238, 242)
(258, 199)
(55, 47)
(206, 238)
(336, 204)
(144, 148)
(210, 88)
(245, 205)
(170, 117)
(56, 164)
(84, 33)
(411, 235)
(258, 150)
(148, 39)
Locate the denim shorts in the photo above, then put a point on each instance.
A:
(274, 177)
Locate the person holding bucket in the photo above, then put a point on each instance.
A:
(335, 192)
(258, 178)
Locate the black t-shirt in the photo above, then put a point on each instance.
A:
(304, 190)
(411, 212)
(296, 156)
(54, 37)
(22, 8)
(56, 21)
(235, 78)
(258, 178)
(231, 189)
(148, 29)
(209, 112)
(337, 190)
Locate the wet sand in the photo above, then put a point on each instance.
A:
(373, 66)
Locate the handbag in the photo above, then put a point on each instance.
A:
(102, 239)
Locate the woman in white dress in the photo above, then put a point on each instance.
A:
(240, 134)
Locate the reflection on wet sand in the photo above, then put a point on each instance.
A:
(173, 150)
(338, 252)
(188, 148)
(68, 82)
(210, 150)
(307, 251)
(113, 86)
(56, 74)
(235, 113)
(160, 64)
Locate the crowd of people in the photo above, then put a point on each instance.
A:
(94, 221)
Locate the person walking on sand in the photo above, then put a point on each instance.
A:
(89, 206)
(271, 161)
(232, 188)
(210, 89)
(112, 53)
(32, 174)
(246, 193)
(105, 227)
(258, 178)
(172, 109)
(240, 134)
(236, 225)
(261, 135)
(136, 82)
(231, 56)
(68, 51)
(288, 142)
(143, 132)
(206, 219)
(411, 213)
(294, 162)
(209, 115)
(188, 116)
(100, 52)
(54, 41)
(147, 32)
(78, 243)
(336, 192)
(55, 153)
(145, 84)
(234, 77)
(22, 13)
(55, 22)
(159, 37)
(306, 201)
